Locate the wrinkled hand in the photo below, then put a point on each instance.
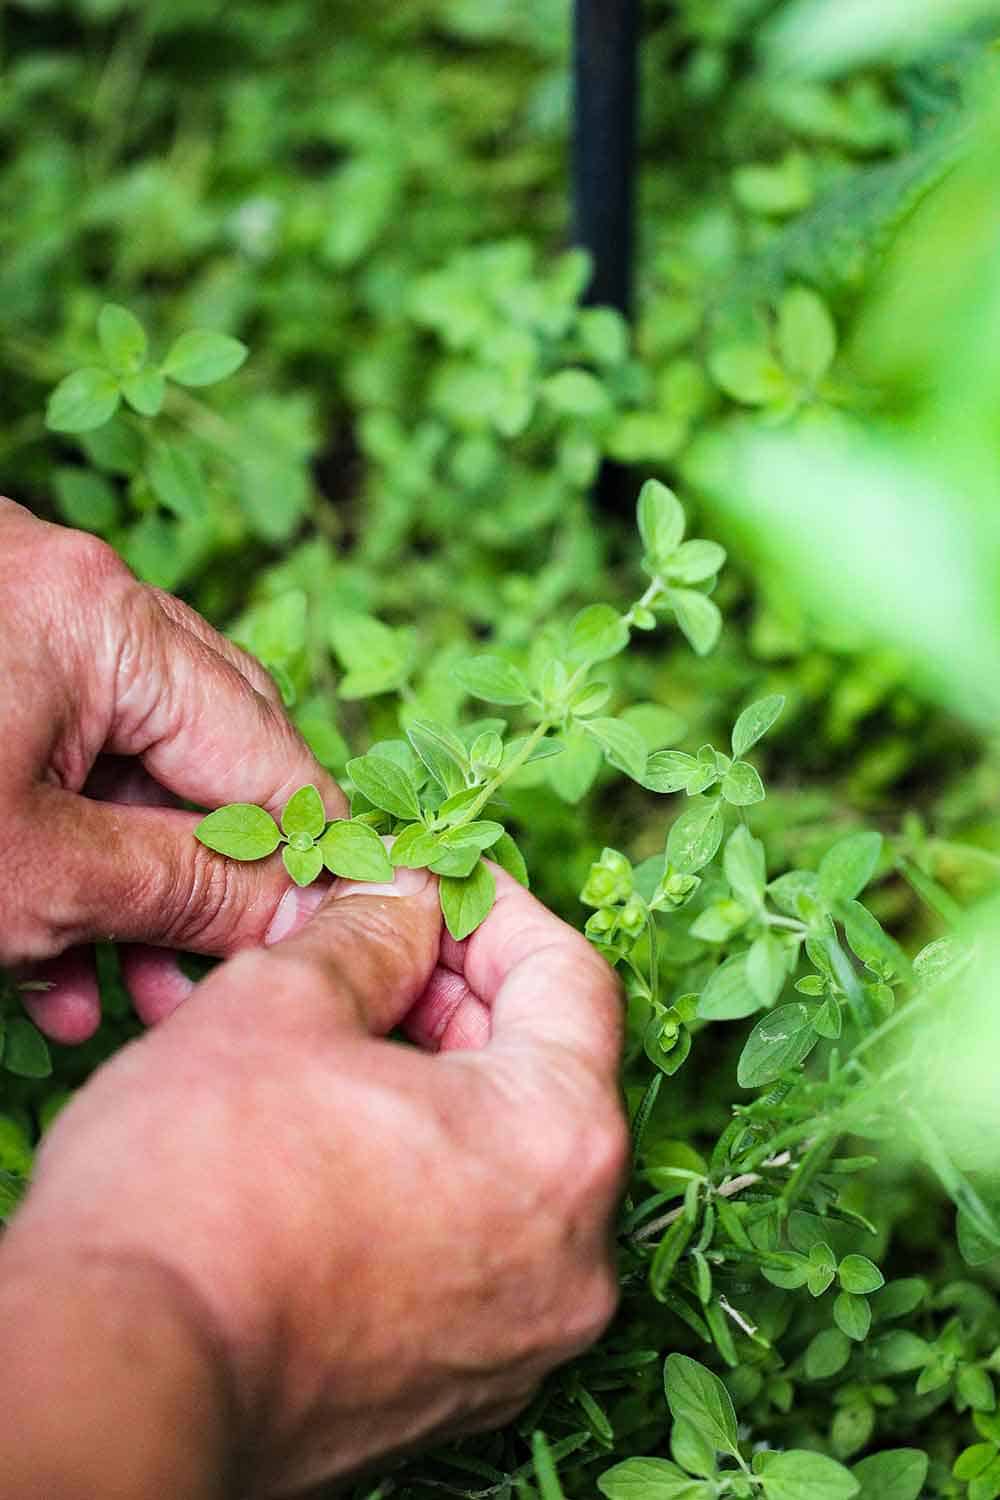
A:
(386, 1244)
(117, 700)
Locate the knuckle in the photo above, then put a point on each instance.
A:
(89, 557)
(593, 1308)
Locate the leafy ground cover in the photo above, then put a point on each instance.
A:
(766, 782)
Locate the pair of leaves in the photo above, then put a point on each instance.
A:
(347, 848)
(89, 397)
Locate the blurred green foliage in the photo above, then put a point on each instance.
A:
(373, 199)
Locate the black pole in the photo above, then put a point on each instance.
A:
(606, 85)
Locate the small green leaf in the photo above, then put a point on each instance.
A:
(748, 373)
(781, 1040)
(303, 865)
(826, 1353)
(893, 1474)
(661, 520)
(667, 1255)
(649, 1479)
(442, 752)
(860, 1275)
(852, 1315)
(741, 785)
(971, 1461)
(240, 830)
(176, 479)
(202, 358)
(669, 771)
(623, 746)
(386, 785)
(754, 722)
(596, 633)
(807, 338)
(354, 851)
(795, 1475)
(145, 391)
(304, 813)
(376, 658)
(576, 393)
(85, 499)
(828, 1020)
(25, 1050)
(508, 856)
(875, 948)
(694, 837)
(695, 562)
(414, 848)
(690, 1448)
(728, 995)
(123, 339)
(84, 400)
(846, 869)
(766, 968)
(974, 1385)
(492, 679)
(698, 618)
(697, 1396)
(745, 867)
(477, 835)
(466, 903)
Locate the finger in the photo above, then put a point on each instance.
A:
(545, 985)
(448, 1017)
(114, 778)
(155, 981)
(359, 964)
(138, 875)
(68, 1009)
(253, 670)
(199, 726)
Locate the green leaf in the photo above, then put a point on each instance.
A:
(202, 358)
(875, 948)
(492, 679)
(240, 830)
(807, 339)
(544, 1466)
(354, 851)
(508, 856)
(667, 1255)
(596, 633)
(658, 725)
(828, 1020)
(852, 1315)
(728, 995)
(414, 847)
(697, 1396)
(84, 400)
(690, 1447)
(754, 722)
(695, 562)
(572, 774)
(741, 785)
(797, 1475)
(649, 1479)
(176, 479)
(623, 746)
(860, 1275)
(846, 869)
(694, 837)
(466, 903)
(386, 785)
(974, 1385)
(697, 616)
(661, 520)
(766, 968)
(898, 1352)
(442, 752)
(748, 373)
(303, 865)
(971, 1461)
(669, 771)
(797, 894)
(897, 1298)
(376, 657)
(781, 1040)
(476, 835)
(576, 393)
(304, 813)
(893, 1474)
(745, 868)
(145, 391)
(25, 1050)
(123, 339)
(827, 1353)
(85, 499)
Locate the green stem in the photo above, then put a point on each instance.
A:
(504, 774)
(654, 957)
(931, 893)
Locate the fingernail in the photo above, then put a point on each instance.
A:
(294, 910)
(405, 883)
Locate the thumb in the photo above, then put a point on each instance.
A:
(362, 960)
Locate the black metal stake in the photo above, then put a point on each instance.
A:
(605, 72)
(606, 85)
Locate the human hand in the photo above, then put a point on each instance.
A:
(117, 701)
(387, 1245)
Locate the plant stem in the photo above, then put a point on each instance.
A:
(654, 958)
